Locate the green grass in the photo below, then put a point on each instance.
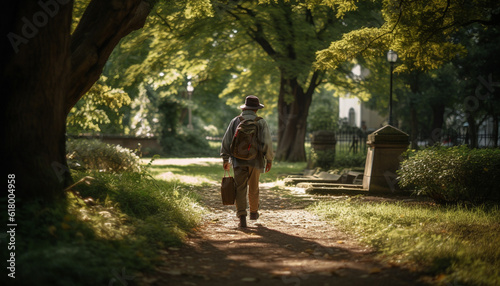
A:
(208, 171)
(456, 243)
(214, 172)
(131, 219)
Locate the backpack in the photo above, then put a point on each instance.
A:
(245, 143)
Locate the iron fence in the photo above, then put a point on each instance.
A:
(354, 141)
(482, 139)
(350, 142)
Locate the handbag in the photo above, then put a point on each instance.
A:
(228, 189)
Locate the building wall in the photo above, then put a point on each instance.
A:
(362, 114)
(372, 119)
(345, 104)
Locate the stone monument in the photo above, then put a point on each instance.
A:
(385, 147)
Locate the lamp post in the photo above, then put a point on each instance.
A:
(392, 57)
(190, 89)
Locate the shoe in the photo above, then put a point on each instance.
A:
(254, 216)
(243, 221)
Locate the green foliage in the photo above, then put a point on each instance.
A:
(323, 112)
(349, 160)
(99, 110)
(239, 48)
(213, 172)
(322, 118)
(160, 212)
(187, 143)
(455, 243)
(331, 160)
(96, 155)
(450, 175)
(120, 231)
(324, 159)
(422, 32)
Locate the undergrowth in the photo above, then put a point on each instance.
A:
(456, 244)
(105, 232)
(453, 174)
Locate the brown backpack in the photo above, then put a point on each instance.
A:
(245, 144)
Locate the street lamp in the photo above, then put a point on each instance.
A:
(392, 57)
(190, 89)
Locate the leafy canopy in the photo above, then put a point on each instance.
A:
(422, 32)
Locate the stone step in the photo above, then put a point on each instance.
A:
(306, 185)
(339, 190)
(295, 181)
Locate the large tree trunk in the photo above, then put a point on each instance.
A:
(45, 71)
(35, 82)
(293, 108)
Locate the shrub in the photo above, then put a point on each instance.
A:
(348, 160)
(328, 160)
(450, 175)
(323, 159)
(97, 155)
(187, 143)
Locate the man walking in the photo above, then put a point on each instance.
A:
(247, 172)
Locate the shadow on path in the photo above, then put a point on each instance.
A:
(286, 246)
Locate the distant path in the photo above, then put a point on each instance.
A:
(286, 246)
(183, 161)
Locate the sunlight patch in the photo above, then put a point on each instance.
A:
(169, 176)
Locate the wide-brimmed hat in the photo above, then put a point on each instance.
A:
(252, 102)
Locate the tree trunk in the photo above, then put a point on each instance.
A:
(293, 108)
(101, 28)
(437, 123)
(413, 78)
(495, 131)
(45, 71)
(414, 126)
(472, 131)
(35, 83)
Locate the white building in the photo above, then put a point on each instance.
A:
(358, 115)
(355, 111)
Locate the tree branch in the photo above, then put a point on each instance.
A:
(101, 28)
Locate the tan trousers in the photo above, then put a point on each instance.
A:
(246, 176)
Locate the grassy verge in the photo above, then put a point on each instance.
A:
(106, 240)
(454, 244)
(213, 172)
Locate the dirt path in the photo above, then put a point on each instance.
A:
(286, 246)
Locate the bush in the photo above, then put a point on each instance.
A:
(187, 143)
(97, 155)
(323, 159)
(450, 175)
(348, 160)
(329, 160)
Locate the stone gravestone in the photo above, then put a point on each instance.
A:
(385, 147)
(323, 142)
